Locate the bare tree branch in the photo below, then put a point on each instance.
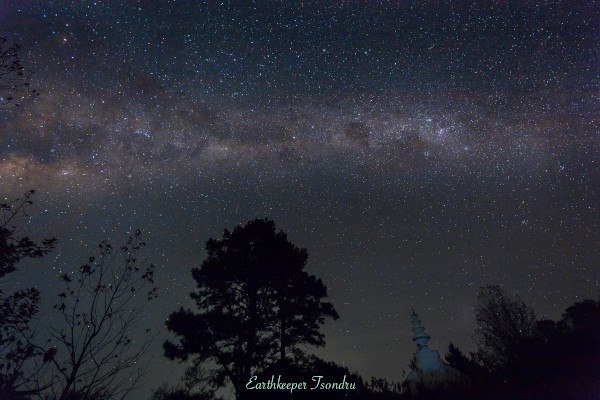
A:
(102, 303)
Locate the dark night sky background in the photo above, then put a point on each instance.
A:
(417, 149)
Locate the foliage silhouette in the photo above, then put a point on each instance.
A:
(547, 360)
(13, 85)
(21, 361)
(257, 305)
(456, 358)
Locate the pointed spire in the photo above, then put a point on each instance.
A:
(420, 337)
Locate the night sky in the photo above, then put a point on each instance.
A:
(417, 149)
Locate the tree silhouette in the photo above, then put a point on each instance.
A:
(524, 358)
(13, 85)
(503, 322)
(560, 361)
(298, 299)
(256, 305)
(99, 357)
(456, 358)
(21, 361)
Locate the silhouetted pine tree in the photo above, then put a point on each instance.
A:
(256, 305)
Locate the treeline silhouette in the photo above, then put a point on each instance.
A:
(521, 357)
(257, 312)
(252, 287)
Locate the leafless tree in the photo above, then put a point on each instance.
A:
(503, 323)
(101, 354)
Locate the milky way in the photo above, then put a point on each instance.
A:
(417, 150)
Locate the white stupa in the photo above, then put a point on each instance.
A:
(430, 371)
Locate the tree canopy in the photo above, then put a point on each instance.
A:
(256, 305)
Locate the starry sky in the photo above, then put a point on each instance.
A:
(417, 149)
